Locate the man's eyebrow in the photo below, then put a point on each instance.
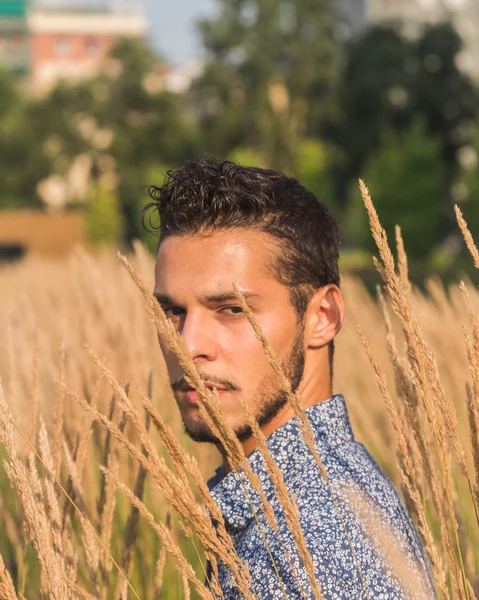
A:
(212, 299)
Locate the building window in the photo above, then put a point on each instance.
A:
(63, 46)
(93, 46)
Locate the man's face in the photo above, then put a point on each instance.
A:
(194, 285)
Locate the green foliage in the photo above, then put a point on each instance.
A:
(443, 94)
(124, 120)
(407, 182)
(390, 80)
(22, 162)
(248, 157)
(313, 160)
(278, 91)
(373, 94)
(470, 178)
(269, 76)
(103, 219)
(149, 236)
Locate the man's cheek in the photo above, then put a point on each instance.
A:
(165, 349)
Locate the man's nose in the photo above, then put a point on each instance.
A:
(198, 337)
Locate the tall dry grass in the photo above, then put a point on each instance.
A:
(103, 496)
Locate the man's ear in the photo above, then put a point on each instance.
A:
(324, 316)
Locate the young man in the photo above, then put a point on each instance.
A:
(222, 223)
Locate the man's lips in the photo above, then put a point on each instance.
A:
(187, 388)
(193, 396)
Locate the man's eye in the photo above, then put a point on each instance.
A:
(173, 311)
(234, 310)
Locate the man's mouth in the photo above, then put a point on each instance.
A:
(192, 394)
(187, 388)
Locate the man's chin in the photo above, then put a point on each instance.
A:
(200, 432)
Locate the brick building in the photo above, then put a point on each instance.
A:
(73, 44)
(42, 45)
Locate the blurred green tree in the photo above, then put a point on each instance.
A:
(408, 186)
(269, 77)
(470, 179)
(125, 120)
(390, 80)
(23, 161)
(442, 94)
(373, 94)
(103, 219)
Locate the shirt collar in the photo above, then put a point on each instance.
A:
(233, 492)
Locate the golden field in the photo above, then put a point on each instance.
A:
(416, 423)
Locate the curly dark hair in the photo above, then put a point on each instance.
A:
(210, 194)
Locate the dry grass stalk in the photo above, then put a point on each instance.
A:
(409, 471)
(404, 379)
(28, 490)
(186, 587)
(13, 376)
(7, 589)
(171, 486)
(107, 502)
(402, 262)
(418, 440)
(413, 583)
(51, 492)
(107, 449)
(164, 534)
(287, 501)
(92, 554)
(473, 415)
(85, 434)
(34, 390)
(187, 464)
(58, 413)
(467, 236)
(161, 561)
(56, 568)
(79, 458)
(132, 524)
(472, 392)
(45, 539)
(437, 406)
(113, 463)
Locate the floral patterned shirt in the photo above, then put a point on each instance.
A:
(388, 560)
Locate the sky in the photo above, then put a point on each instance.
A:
(172, 26)
(171, 23)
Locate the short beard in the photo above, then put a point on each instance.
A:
(293, 367)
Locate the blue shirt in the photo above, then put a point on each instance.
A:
(377, 521)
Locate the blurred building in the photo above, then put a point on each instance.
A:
(354, 15)
(74, 43)
(44, 44)
(14, 37)
(415, 13)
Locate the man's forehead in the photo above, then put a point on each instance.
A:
(236, 250)
(207, 266)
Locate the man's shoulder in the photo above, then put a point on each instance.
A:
(346, 463)
(357, 497)
(353, 479)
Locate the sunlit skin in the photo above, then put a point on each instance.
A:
(190, 271)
